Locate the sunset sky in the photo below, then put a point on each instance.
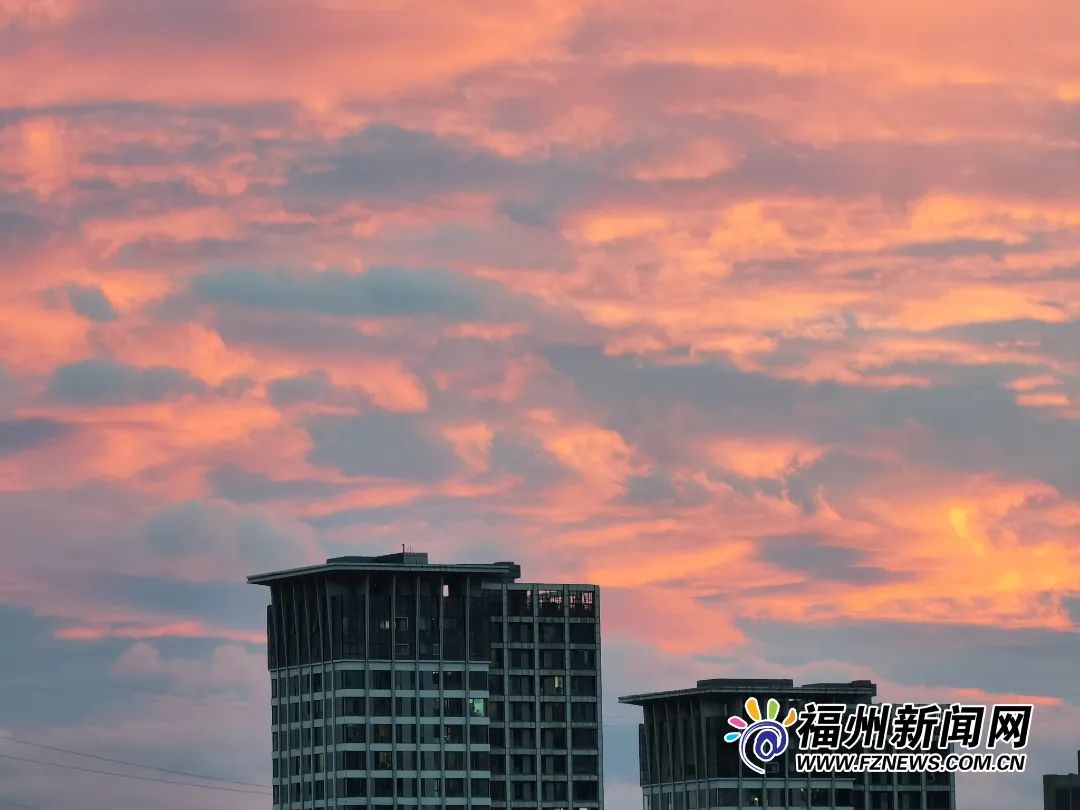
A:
(763, 316)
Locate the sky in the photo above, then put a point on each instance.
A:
(765, 317)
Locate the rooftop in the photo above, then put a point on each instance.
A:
(398, 561)
(741, 686)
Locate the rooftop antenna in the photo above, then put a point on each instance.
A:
(402, 548)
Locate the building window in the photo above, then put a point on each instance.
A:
(553, 764)
(553, 711)
(551, 603)
(350, 678)
(582, 604)
(584, 738)
(522, 712)
(352, 733)
(521, 685)
(552, 659)
(520, 632)
(352, 706)
(522, 738)
(453, 734)
(583, 659)
(583, 712)
(552, 685)
(519, 602)
(478, 735)
(586, 791)
(551, 633)
(585, 765)
(584, 685)
(582, 633)
(522, 765)
(382, 733)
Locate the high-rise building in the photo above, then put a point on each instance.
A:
(1062, 791)
(396, 682)
(685, 763)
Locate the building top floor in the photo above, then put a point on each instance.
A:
(858, 691)
(407, 562)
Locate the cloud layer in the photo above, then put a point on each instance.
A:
(765, 317)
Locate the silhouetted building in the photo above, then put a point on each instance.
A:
(685, 764)
(1062, 791)
(399, 683)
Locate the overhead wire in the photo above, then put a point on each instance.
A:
(134, 776)
(131, 764)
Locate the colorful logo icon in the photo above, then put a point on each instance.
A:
(766, 738)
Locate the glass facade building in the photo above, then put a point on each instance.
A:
(1062, 791)
(400, 683)
(685, 764)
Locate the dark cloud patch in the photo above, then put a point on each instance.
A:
(660, 487)
(58, 682)
(507, 245)
(650, 489)
(242, 486)
(299, 331)
(155, 252)
(1056, 339)
(315, 386)
(836, 470)
(20, 231)
(228, 604)
(815, 557)
(382, 445)
(898, 173)
(17, 435)
(194, 528)
(531, 215)
(388, 163)
(91, 302)
(379, 292)
(440, 513)
(101, 381)
(526, 458)
(952, 248)
(9, 393)
(957, 374)
(977, 426)
(992, 658)
(1072, 607)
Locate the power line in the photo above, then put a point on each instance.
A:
(131, 764)
(168, 697)
(133, 776)
(19, 804)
